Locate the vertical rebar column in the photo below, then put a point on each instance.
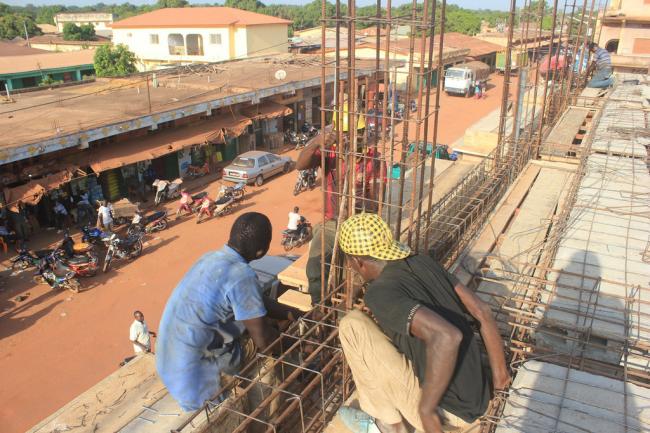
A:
(506, 89)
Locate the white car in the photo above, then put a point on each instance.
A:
(256, 166)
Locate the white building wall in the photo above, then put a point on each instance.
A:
(140, 43)
(241, 42)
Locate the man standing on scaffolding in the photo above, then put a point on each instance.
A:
(423, 363)
(367, 175)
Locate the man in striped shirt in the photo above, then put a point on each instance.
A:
(601, 65)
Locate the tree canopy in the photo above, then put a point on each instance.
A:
(114, 61)
(14, 24)
(73, 32)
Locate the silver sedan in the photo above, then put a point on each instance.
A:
(256, 166)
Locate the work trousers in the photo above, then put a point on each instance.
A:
(385, 380)
(314, 262)
(602, 79)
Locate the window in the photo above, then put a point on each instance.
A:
(194, 44)
(176, 44)
(641, 46)
(263, 161)
(273, 158)
(153, 39)
(215, 39)
(612, 46)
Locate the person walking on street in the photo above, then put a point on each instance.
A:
(139, 336)
(105, 216)
(421, 361)
(217, 316)
(601, 66)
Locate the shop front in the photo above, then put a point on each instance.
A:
(268, 119)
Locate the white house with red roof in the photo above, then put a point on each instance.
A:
(179, 36)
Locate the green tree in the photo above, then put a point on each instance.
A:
(247, 5)
(45, 14)
(114, 61)
(14, 24)
(172, 3)
(73, 32)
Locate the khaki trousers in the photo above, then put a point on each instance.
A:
(385, 380)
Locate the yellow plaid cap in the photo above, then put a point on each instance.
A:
(366, 234)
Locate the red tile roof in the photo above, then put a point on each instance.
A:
(476, 46)
(197, 17)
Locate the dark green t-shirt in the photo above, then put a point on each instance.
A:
(420, 281)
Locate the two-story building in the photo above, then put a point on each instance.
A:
(100, 21)
(625, 33)
(179, 36)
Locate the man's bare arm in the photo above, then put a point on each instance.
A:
(261, 331)
(442, 341)
(493, 343)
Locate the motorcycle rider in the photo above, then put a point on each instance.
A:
(295, 221)
(206, 204)
(186, 203)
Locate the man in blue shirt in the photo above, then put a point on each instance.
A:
(219, 299)
(601, 65)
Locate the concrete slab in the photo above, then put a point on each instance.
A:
(549, 398)
(603, 287)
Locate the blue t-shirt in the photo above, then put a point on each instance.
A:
(198, 336)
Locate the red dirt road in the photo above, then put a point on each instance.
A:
(55, 345)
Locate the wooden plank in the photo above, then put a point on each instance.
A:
(296, 299)
(296, 274)
(566, 129)
(469, 262)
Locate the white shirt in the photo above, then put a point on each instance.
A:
(105, 214)
(294, 219)
(140, 333)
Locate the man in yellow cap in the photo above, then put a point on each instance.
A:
(423, 362)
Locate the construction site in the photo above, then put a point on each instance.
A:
(551, 227)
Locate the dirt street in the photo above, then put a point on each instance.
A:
(55, 345)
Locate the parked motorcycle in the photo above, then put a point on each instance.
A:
(295, 238)
(296, 139)
(192, 205)
(122, 248)
(309, 130)
(166, 190)
(26, 259)
(56, 275)
(93, 235)
(306, 180)
(80, 258)
(237, 191)
(155, 222)
(198, 170)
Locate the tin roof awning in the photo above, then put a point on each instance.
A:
(32, 192)
(266, 110)
(111, 156)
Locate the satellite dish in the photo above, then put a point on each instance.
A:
(280, 74)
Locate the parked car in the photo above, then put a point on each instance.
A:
(256, 166)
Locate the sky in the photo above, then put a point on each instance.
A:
(470, 4)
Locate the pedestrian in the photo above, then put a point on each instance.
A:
(185, 205)
(85, 212)
(105, 216)
(60, 215)
(217, 316)
(18, 218)
(483, 89)
(139, 336)
(421, 360)
(477, 91)
(368, 176)
(601, 67)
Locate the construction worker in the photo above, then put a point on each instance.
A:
(423, 362)
(217, 316)
(601, 66)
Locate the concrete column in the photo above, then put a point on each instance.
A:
(77, 74)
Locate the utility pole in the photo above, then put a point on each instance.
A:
(26, 34)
